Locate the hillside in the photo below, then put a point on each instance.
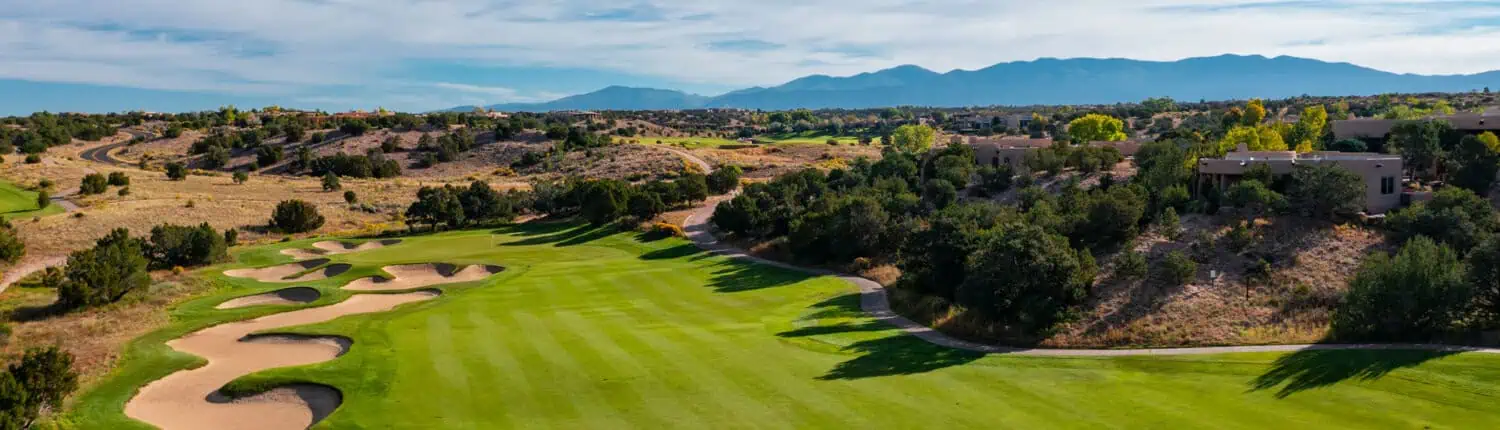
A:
(1044, 82)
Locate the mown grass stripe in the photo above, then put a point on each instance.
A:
(587, 400)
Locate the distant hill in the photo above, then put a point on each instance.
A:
(612, 98)
(1044, 82)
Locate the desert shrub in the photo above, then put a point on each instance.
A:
(331, 182)
(350, 197)
(668, 229)
(1240, 237)
(1177, 268)
(104, 274)
(38, 383)
(45, 183)
(391, 144)
(724, 180)
(231, 237)
(1170, 224)
(241, 177)
(175, 245)
(176, 171)
(1025, 277)
(1327, 191)
(1417, 295)
(1132, 265)
(43, 199)
(296, 216)
(124, 191)
(995, 180)
(1455, 217)
(119, 179)
(33, 158)
(269, 154)
(93, 183)
(11, 246)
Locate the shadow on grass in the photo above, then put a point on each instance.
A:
(679, 251)
(897, 355)
(561, 235)
(735, 276)
(1309, 369)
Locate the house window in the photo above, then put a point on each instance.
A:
(1388, 185)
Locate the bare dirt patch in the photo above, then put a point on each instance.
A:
(768, 161)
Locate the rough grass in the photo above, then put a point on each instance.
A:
(593, 329)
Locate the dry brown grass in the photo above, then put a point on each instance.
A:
(770, 161)
(96, 336)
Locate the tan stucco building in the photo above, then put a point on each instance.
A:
(1381, 173)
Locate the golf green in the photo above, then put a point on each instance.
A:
(591, 329)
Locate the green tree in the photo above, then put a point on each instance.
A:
(693, 187)
(1327, 191)
(1473, 165)
(436, 206)
(939, 194)
(350, 197)
(1253, 197)
(43, 199)
(1024, 277)
(913, 139)
(1454, 217)
(1309, 127)
(176, 171)
(1349, 145)
(11, 246)
(94, 183)
(605, 201)
(1177, 268)
(1263, 138)
(1255, 113)
(1483, 274)
(1097, 127)
(104, 274)
(1419, 294)
(296, 216)
(241, 177)
(1131, 265)
(119, 179)
(331, 182)
(724, 180)
(1420, 145)
(36, 384)
(184, 246)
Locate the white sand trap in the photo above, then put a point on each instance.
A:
(410, 276)
(286, 296)
(285, 272)
(190, 399)
(332, 247)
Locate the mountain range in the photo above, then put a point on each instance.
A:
(1041, 82)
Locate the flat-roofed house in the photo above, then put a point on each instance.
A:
(1010, 152)
(1377, 131)
(1381, 173)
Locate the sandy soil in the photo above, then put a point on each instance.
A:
(284, 273)
(412, 276)
(286, 296)
(333, 247)
(190, 399)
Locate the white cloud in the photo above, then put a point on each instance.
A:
(298, 47)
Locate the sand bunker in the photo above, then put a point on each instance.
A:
(410, 276)
(287, 296)
(285, 272)
(332, 247)
(190, 399)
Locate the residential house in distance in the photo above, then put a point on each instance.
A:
(976, 121)
(1376, 131)
(1007, 151)
(1381, 173)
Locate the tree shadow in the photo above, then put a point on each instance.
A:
(1314, 368)
(679, 251)
(897, 355)
(576, 235)
(736, 276)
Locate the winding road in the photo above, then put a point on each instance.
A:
(874, 301)
(101, 154)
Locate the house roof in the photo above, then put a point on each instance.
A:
(1368, 128)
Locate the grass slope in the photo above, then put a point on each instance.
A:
(16, 202)
(587, 329)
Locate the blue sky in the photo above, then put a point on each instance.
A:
(418, 55)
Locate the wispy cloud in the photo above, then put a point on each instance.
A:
(305, 49)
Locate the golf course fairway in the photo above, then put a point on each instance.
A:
(587, 328)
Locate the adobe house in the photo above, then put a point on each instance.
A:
(1381, 173)
(1375, 132)
(994, 152)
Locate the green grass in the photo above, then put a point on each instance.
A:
(587, 329)
(16, 202)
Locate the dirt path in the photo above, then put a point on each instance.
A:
(874, 301)
(706, 166)
(17, 272)
(190, 399)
